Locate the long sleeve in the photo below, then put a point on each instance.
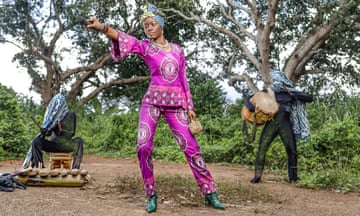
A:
(125, 45)
(189, 105)
(303, 97)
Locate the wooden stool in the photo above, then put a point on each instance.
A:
(62, 160)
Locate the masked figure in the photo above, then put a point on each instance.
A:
(290, 123)
(56, 135)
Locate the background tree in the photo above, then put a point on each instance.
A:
(209, 98)
(62, 56)
(299, 37)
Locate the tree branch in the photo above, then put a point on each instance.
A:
(100, 62)
(263, 41)
(58, 32)
(237, 6)
(232, 35)
(308, 45)
(110, 84)
(241, 78)
(233, 20)
(76, 87)
(300, 54)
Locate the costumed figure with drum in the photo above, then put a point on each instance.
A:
(168, 95)
(282, 110)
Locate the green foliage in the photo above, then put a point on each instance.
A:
(335, 145)
(12, 125)
(220, 141)
(122, 135)
(109, 132)
(329, 159)
(209, 98)
(341, 180)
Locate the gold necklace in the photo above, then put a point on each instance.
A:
(162, 45)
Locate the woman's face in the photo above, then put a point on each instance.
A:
(152, 28)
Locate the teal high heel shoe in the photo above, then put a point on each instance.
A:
(151, 205)
(212, 200)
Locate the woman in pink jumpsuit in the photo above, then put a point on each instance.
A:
(168, 95)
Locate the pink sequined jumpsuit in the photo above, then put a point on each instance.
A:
(168, 95)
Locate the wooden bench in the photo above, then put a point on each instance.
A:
(62, 160)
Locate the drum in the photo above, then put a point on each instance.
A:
(265, 108)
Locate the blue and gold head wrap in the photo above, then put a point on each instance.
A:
(152, 11)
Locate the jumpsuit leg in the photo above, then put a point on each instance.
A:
(288, 138)
(78, 152)
(269, 132)
(148, 118)
(74, 145)
(178, 123)
(37, 146)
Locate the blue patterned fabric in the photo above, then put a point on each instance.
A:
(152, 11)
(280, 82)
(298, 116)
(55, 111)
(299, 120)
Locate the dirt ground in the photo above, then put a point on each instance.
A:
(94, 198)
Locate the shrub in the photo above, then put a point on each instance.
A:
(12, 127)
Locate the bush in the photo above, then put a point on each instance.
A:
(12, 125)
(329, 159)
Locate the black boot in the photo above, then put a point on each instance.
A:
(258, 174)
(151, 205)
(293, 177)
(213, 200)
(256, 179)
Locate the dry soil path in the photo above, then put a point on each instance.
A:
(92, 199)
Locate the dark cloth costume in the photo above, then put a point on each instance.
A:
(60, 141)
(290, 123)
(60, 125)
